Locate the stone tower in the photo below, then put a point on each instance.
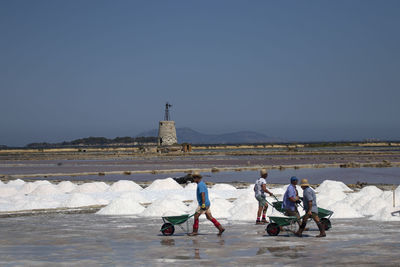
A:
(166, 129)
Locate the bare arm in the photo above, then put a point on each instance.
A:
(264, 188)
(203, 198)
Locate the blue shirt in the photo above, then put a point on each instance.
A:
(202, 188)
(309, 195)
(290, 192)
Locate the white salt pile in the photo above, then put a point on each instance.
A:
(329, 185)
(95, 187)
(191, 186)
(220, 187)
(45, 189)
(8, 191)
(17, 182)
(165, 208)
(79, 200)
(166, 197)
(122, 206)
(27, 188)
(124, 185)
(220, 208)
(164, 184)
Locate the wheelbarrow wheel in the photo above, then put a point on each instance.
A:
(326, 223)
(273, 229)
(167, 229)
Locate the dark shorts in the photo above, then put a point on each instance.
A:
(314, 216)
(294, 213)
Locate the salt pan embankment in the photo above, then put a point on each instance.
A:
(166, 197)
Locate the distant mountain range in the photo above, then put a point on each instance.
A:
(188, 135)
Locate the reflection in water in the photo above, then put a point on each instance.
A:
(196, 249)
(290, 252)
(167, 242)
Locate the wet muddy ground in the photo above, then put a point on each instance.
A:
(93, 240)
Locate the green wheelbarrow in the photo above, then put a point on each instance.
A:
(277, 223)
(323, 214)
(168, 228)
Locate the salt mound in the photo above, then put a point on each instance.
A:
(45, 190)
(41, 182)
(244, 211)
(80, 200)
(343, 210)
(8, 191)
(223, 187)
(246, 196)
(385, 214)
(191, 186)
(124, 185)
(329, 197)
(136, 197)
(163, 184)
(28, 188)
(373, 206)
(371, 191)
(122, 206)
(66, 186)
(279, 191)
(95, 187)
(329, 185)
(179, 197)
(220, 208)
(40, 203)
(158, 208)
(388, 197)
(17, 182)
(250, 187)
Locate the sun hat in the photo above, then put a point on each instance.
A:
(263, 172)
(293, 178)
(304, 182)
(196, 174)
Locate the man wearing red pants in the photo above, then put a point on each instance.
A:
(204, 206)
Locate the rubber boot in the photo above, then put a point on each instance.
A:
(321, 228)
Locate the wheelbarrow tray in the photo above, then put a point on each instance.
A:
(323, 213)
(283, 221)
(176, 219)
(278, 206)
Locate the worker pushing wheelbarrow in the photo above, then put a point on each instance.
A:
(203, 208)
(321, 216)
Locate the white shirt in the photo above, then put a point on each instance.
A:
(258, 187)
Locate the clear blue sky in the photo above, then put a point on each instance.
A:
(298, 70)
